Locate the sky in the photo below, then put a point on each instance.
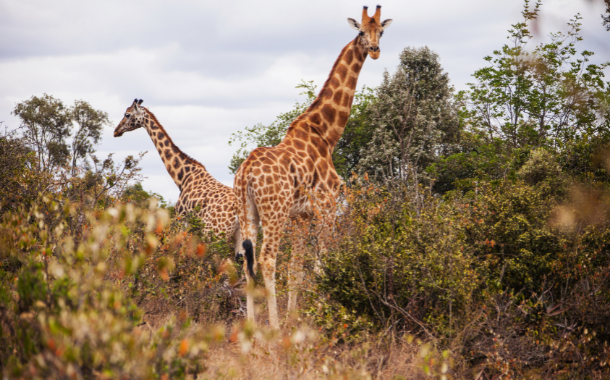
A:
(207, 69)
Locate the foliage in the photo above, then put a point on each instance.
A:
(60, 317)
(47, 124)
(136, 195)
(18, 181)
(89, 131)
(414, 118)
(546, 97)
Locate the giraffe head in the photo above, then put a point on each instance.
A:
(370, 30)
(133, 119)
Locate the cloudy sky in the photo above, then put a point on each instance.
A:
(210, 68)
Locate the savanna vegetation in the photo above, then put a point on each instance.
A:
(471, 240)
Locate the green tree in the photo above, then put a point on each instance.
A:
(46, 124)
(548, 96)
(414, 117)
(18, 184)
(89, 130)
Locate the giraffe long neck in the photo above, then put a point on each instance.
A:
(328, 114)
(178, 164)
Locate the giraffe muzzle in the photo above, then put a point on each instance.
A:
(374, 52)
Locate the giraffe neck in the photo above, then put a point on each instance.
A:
(328, 114)
(178, 164)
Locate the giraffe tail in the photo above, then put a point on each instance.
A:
(247, 244)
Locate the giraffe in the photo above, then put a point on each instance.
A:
(197, 186)
(274, 184)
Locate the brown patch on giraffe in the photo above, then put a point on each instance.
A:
(326, 94)
(323, 169)
(342, 71)
(346, 99)
(161, 135)
(315, 118)
(266, 169)
(356, 68)
(334, 83)
(337, 97)
(315, 178)
(310, 165)
(300, 145)
(351, 82)
(343, 116)
(329, 113)
(322, 150)
(302, 135)
(176, 163)
(167, 154)
(312, 152)
(334, 135)
(349, 57)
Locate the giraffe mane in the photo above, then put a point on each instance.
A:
(187, 157)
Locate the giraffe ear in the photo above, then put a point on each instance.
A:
(386, 23)
(354, 24)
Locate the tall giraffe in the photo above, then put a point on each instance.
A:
(197, 186)
(274, 184)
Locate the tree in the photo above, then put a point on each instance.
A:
(89, 132)
(46, 124)
(18, 184)
(545, 97)
(414, 117)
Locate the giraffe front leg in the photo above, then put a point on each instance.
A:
(268, 259)
(271, 243)
(295, 272)
(246, 235)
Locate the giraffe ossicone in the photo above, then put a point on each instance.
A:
(274, 184)
(198, 188)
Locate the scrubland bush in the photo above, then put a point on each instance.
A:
(511, 278)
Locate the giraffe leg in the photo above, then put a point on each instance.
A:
(295, 272)
(272, 228)
(248, 223)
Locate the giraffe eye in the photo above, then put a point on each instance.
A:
(361, 34)
(127, 115)
(381, 34)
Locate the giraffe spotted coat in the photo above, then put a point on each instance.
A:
(197, 187)
(275, 184)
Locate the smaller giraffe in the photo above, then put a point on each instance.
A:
(197, 186)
